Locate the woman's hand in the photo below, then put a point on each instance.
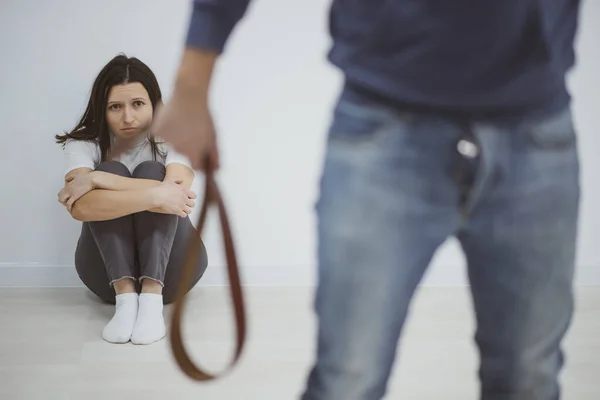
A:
(171, 198)
(75, 187)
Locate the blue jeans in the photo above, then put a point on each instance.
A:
(395, 186)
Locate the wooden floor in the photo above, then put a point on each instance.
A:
(51, 349)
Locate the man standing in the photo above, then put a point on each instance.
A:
(454, 120)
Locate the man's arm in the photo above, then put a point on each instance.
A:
(211, 24)
(186, 122)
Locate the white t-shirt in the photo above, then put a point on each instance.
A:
(86, 154)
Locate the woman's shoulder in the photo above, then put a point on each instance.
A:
(81, 154)
(89, 147)
(82, 143)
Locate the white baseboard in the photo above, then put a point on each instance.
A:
(44, 275)
(34, 275)
(38, 275)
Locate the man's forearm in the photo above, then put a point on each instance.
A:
(107, 181)
(195, 73)
(103, 205)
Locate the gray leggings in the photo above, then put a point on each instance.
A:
(143, 245)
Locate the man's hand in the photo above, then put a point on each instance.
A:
(186, 124)
(76, 187)
(185, 121)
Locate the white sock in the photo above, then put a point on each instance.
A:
(150, 324)
(120, 327)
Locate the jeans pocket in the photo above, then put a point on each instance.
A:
(355, 123)
(554, 133)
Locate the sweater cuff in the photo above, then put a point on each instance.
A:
(209, 28)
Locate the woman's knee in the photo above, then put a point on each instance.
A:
(114, 167)
(170, 292)
(150, 170)
(98, 287)
(106, 297)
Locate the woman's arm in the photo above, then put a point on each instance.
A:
(160, 197)
(102, 205)
(108, 181)
(177, 172)
(87, 198)
(104, 196)
(181, 174)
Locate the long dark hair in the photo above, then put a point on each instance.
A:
(93, 126)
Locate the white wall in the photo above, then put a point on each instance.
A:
(273, 96)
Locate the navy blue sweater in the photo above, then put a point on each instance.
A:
(480, 57)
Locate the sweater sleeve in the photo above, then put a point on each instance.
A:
(212, 22)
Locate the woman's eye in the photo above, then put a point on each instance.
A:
(114, 107)
(138, 103)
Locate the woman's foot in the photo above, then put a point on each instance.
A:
(150, 324)
(120, 327)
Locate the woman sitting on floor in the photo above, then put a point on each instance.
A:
(134, 208)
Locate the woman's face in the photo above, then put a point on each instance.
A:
(128, 110)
